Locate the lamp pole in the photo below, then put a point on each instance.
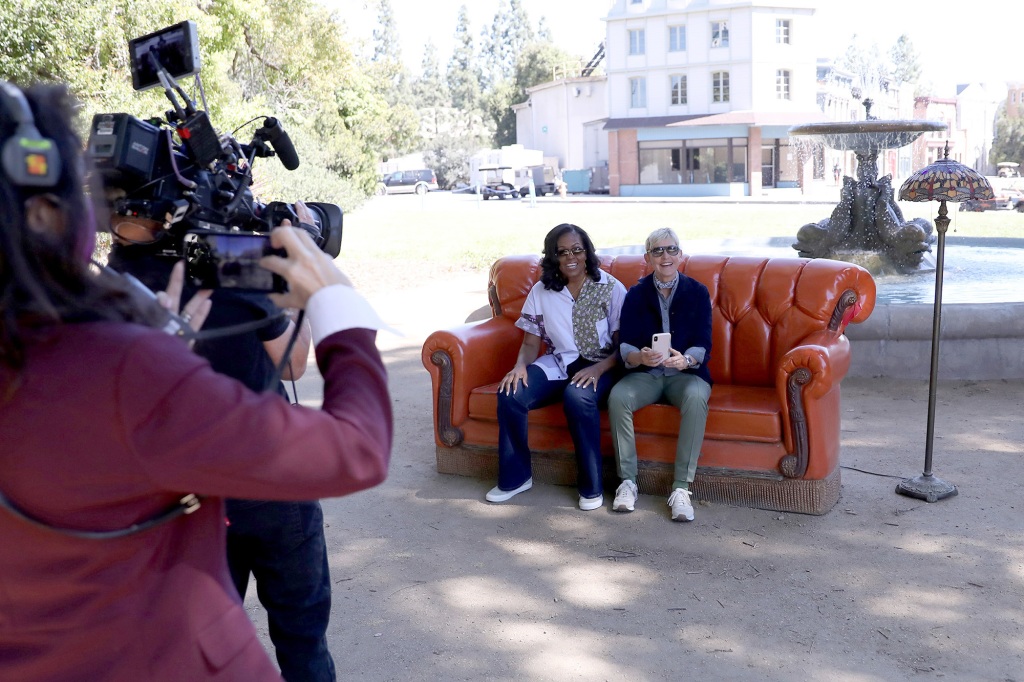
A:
(927, 487)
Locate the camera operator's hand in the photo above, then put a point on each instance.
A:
(306, 268)
(198, 307)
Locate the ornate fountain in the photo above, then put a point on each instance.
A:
(867, 226)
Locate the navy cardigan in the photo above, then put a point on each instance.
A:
(689, 318)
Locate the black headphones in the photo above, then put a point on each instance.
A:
(29, 159)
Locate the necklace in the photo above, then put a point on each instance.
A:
(575, 288)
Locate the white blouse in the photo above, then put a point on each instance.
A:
(571, 328)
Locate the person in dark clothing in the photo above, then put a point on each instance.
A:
(281, 544)
(664, 302)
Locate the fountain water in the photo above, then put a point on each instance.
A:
(867, 226)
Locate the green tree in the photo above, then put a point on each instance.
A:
(1008, 144)
(542, 62)
(449, 154)
(392, 81)
(386, 46)
(544, 31)
(430, 89)
(498, 102)
(463, 74)
(905, 61)
(509, 34)
(252, 67)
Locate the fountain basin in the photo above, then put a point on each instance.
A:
(866, 137)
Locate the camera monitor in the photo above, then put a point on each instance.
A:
(231, 260)
(175, 47)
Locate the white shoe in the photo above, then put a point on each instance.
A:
(625, 497)
(496, 494)
(591, 503)
(679, 500)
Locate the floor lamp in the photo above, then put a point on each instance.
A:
(945, 180)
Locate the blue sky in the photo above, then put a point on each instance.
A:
(980, 44)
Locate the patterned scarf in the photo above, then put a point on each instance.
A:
(592, 305)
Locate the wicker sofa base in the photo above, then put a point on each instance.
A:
(758, 489)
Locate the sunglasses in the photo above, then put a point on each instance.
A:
(574, 252)
(658, 251)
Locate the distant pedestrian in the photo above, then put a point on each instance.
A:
(836, 172)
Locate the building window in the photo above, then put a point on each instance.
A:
(690, 162)
(720, 86)
(678, 89)
(782, 31)
(782, 84)
(636, 42)
(719, 34)
(637, 93)
(677, 38)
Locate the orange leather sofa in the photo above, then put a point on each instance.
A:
(778, 356)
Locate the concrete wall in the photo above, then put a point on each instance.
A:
(977, 341)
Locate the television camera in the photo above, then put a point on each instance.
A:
(181, 173)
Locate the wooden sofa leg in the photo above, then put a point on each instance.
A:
(449, 435)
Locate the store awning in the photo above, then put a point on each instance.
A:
(752, 118)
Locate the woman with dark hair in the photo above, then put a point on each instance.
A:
(574, 309)
(119, 444)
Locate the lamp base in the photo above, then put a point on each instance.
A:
(926, 487)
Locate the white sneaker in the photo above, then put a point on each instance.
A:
(679, 500)
(625, 497)
(591, 503)
(496, 494)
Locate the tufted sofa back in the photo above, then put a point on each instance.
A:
(761, 307)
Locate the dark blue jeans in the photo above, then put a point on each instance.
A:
(581, 407)
(282, 544)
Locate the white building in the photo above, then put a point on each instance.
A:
(702, 94)
(556, 113)
(699, 97)
(977, 105)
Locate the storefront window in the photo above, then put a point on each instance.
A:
(689, 162)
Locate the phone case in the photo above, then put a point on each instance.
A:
(661, 343)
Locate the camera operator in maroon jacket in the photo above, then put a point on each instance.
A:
(107, 422)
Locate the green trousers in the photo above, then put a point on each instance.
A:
(687, 392)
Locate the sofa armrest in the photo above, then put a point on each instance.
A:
(461, 359)
(807, 382)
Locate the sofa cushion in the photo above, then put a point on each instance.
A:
(738, 413)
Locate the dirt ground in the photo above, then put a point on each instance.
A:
(431, 582)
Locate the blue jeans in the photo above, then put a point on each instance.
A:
(581, 407)
(282, 544)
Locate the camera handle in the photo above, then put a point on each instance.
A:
(273, 133)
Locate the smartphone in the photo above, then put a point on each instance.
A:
(660, 343)
(231, 260)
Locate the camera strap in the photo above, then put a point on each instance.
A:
(244, 327)
(186, 505)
